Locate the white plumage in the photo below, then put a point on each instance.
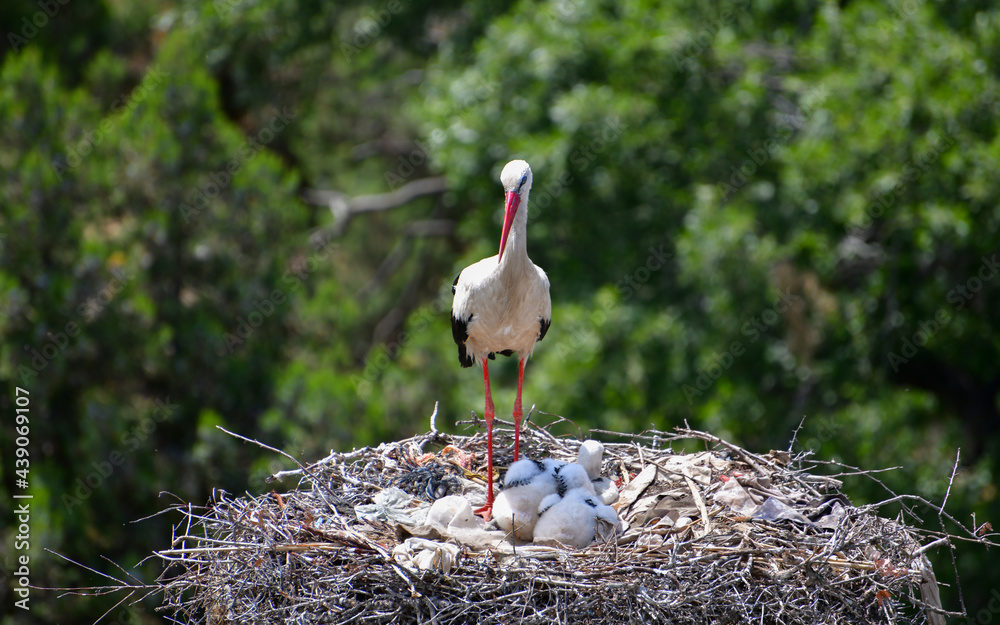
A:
(572, 518)
(546, 500)
(605, 490)
(571, 477)
(502, 304)
(570, 515)
(526, 484)
(589, 457)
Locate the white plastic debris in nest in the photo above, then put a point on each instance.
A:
(453, 512)
(420, 554)
(756, 498)
(393, 505)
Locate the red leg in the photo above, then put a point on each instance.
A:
(517, 407)
(488, 508)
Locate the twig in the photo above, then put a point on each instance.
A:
(795, 434)
(434, 416)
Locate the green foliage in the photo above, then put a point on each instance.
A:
(127, 276)
(749, 213)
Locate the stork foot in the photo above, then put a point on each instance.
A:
(485, 512)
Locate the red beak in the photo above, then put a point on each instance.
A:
(510, 209)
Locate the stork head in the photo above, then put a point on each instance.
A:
(516, 181)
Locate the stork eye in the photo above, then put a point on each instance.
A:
(524, 179)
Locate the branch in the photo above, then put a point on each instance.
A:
(345, 208)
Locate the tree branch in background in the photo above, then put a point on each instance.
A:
(345, 208)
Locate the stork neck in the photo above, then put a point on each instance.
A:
(516, 252)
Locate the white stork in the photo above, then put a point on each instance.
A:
(502, 304)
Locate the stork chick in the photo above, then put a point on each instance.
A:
(527, 482)
(589, 458)
(570, 516)
(573, 519)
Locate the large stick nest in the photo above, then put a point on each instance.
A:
(304, 556)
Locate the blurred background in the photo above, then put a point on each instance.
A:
(249, 213)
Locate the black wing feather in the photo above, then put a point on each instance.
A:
(460, 332)
(544, 327)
